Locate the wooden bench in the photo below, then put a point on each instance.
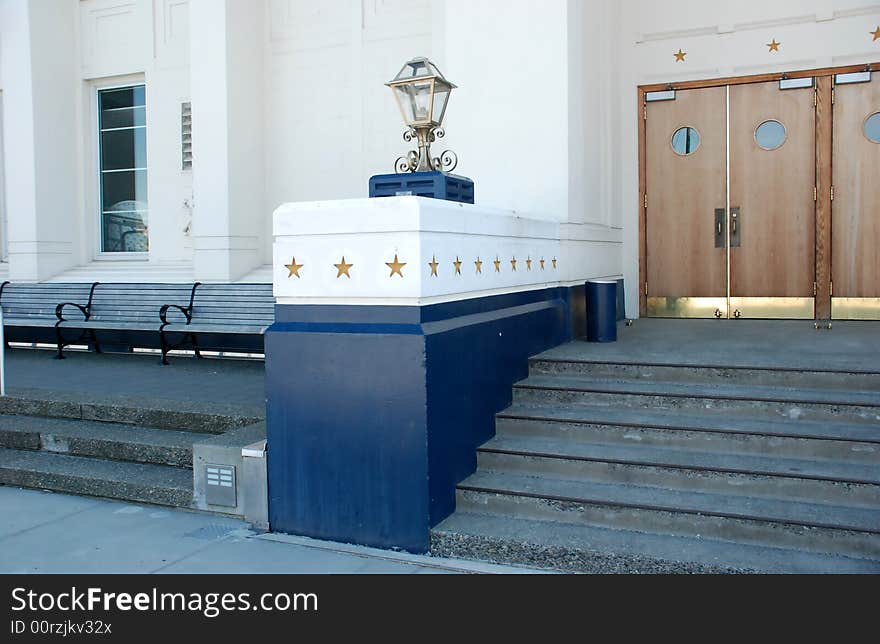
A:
(29, 309)
(221, 317)
(119, 314)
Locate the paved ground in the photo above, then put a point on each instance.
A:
(44, 532)
(138, 375)
(753, 343)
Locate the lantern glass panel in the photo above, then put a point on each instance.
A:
(441, 97)
(415, 101)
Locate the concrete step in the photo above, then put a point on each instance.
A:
(113, 441)
(140, 482)
(584, 548)
(192, 416)
(719, 374)
(683, 429)
(816, 527)
(772, 402)
(769, 476)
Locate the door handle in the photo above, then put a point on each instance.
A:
(735, 226)
(720, 222)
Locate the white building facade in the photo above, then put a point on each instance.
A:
(153, 139)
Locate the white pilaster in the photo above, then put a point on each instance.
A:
(40, 115)
(226, 58)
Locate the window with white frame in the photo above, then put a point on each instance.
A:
(122, 133)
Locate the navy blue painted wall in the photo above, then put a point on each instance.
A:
(374, 414)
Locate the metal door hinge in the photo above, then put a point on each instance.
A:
(831, 288)
(832, 193)
(815, 193)
(815, 97)
(646, 288)
(646, 200)
(815, 289)
(832, 96)
(645, 111)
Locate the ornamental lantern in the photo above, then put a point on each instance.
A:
(422, 93)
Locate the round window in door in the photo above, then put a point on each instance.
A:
(770, 135)
(685, 141)
(872, 127)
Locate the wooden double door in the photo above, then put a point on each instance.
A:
(733, 221)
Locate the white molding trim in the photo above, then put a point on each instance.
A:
(496, 252)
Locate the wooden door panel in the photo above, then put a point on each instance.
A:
(683, 194)
(773, 190)
(855, 211)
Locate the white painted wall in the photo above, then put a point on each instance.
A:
(509, 119)
(330, 121)
(533, 120)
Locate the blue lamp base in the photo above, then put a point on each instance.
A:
(436, 185)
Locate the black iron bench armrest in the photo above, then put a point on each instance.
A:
(85, 310)
(186, 310)
(59, 310)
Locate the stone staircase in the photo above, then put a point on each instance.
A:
(135, 450)
(627, 467)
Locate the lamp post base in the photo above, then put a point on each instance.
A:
(436, 185)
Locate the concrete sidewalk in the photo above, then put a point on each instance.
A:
(44, 532)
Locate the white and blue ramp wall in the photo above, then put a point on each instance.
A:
(401, 324)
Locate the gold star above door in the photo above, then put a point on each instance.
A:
(679, 55)
(293, 268)
(457, 264)
(479, 265)
(876, 34)
(497, 263)
(773, 45)
(433, 264)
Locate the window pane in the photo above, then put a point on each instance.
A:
(124, 149)
(123, 117)
(685, 140)
(872, 127)
(122, 97)
(124, 233)
(123, 189)
(770, 135)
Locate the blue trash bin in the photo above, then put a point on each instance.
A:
(601, 311)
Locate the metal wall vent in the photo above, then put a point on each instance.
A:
(220, 485)
(186, 145)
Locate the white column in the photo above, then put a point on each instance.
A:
(226, 67)
(38, 55)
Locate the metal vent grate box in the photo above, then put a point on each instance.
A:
(436, 185)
